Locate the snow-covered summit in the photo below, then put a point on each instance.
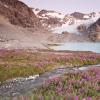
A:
(50, 14)
(55, 19)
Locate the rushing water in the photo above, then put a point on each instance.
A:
(95, 47)
(21, 89)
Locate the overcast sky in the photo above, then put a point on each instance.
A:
(66, 6)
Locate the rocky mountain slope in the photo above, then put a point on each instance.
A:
(18, 13)
(94, 31)
(19, 27)
(83, 16)
(16, 37)
(22, 27)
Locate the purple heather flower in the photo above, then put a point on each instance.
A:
(76, 98)
(89, 98)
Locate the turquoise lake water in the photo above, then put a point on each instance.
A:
(95, 47)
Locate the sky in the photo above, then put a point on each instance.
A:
(65, 6)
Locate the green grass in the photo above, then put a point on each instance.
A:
(20, 71)
(15, 64)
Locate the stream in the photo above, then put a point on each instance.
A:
(21, 86)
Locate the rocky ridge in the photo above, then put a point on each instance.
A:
(52, 19)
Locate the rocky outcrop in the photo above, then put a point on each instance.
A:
(78, 15)
(94, 31)
(42, 12)
(82, 28)
(18, 13)
(49, 18)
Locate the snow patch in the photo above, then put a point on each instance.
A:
(55, 15)
(72, 24)
(36, 11)
(86, 16)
